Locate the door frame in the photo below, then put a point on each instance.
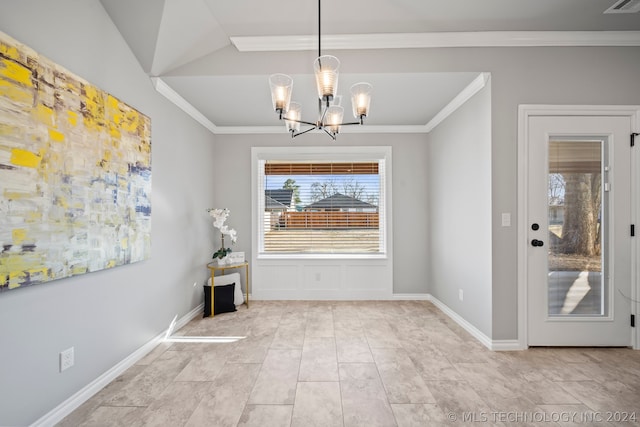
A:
(525, 111)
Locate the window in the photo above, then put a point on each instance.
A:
(321, 204)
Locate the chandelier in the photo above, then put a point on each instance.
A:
(330, 115)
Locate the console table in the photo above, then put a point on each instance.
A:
(214, 266)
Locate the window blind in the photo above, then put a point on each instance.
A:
(322, 207)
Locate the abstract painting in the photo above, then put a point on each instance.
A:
(75, 173)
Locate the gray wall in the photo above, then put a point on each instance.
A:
(459, 189)
(106, 315)
(232, 169)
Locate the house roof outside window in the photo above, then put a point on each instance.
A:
(272, 204)
(280, 196)
(340, 201)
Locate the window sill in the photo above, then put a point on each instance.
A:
(320, 257)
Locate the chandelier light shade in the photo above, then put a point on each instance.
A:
(294, 115)
(326, 69)
(281, 88)
(334, 116)
(361, 99)
(330, 115)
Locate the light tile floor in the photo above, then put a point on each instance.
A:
(370, 363)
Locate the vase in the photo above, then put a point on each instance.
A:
(223, 260)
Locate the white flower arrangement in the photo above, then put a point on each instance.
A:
(219, 218)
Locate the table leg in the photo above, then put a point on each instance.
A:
(247, 290)
(213, 275)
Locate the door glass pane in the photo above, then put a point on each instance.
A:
(576, 281)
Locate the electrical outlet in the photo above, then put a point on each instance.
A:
(66, 359)
(460, 294)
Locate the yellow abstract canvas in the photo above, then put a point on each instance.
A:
(75, 173)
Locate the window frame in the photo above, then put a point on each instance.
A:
(259, 155)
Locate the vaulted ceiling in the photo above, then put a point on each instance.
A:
(214, 57)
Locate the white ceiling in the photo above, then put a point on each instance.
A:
(188, 44)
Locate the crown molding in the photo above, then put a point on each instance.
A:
(165, 90)
(245, 130)
(459, 100)
(465, 94)
(438, 40)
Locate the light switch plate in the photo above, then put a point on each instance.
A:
(506, 219)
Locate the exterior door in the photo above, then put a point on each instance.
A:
(579, 240)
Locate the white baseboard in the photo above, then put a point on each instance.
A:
(507, 345)
(71, 404)
(396, 297)
(412, 297)
(494, 345)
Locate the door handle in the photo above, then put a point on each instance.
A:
(537, 243)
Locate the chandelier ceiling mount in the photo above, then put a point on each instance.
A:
(330, 115)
